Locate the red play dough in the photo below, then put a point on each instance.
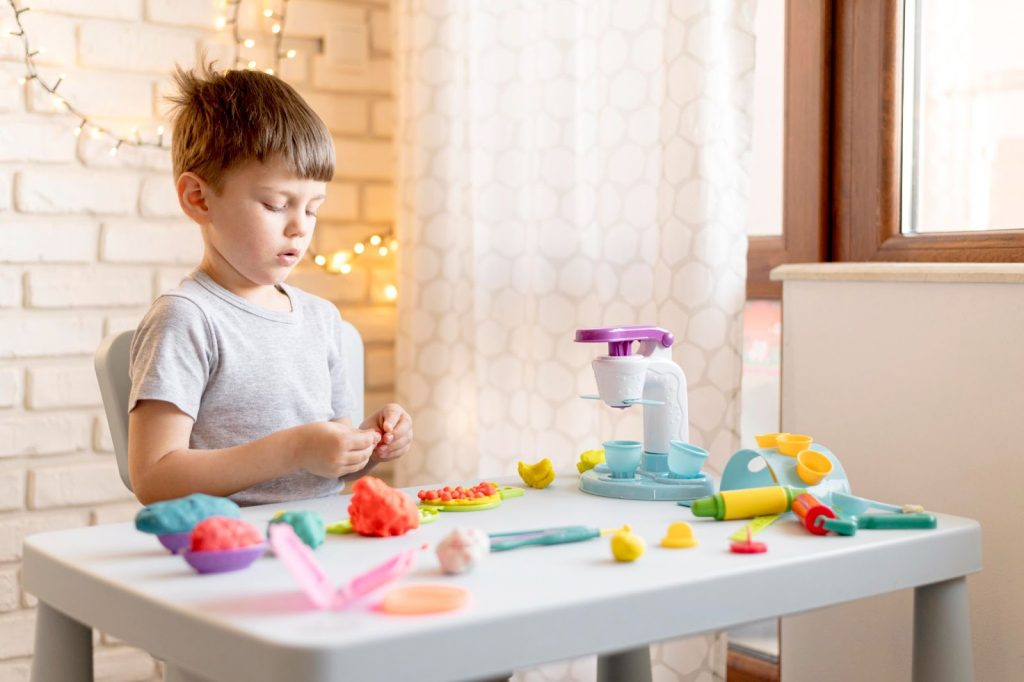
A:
(220, 532)
(380, 510)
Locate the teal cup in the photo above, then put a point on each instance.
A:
(622, 457)
(685, 459)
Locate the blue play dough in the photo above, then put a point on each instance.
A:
(182, 514)
(308, 525)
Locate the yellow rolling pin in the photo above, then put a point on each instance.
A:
(747, 503)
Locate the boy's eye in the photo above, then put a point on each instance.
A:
(273, 208)
(311, 214)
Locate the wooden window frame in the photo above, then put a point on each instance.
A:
(841, 168)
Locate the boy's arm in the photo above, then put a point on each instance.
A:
(162, 466)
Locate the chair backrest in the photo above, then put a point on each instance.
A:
(116, 384)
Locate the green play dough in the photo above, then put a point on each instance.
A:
(309, 526)
(182, 514)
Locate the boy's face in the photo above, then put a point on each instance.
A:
(260, 225)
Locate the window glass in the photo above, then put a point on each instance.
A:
(963, 132)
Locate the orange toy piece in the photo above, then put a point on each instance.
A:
(379, 510)
(424, 599)
(221, 532)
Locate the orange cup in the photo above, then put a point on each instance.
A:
(792, 443)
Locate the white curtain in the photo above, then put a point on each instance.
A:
(567, 164)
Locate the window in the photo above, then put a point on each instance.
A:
(860, 170)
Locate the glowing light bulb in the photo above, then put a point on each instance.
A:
(268, 13)
(252, 64)
(320, 259)
(22, 80)
(221, 23)
(394, 245)
(383, 250)
(391, 292)
(339, 261)
(113, 151)
(375, 240)
(249, 42)
(78, 131)
(345, 268)
(269, 71)
(359, 247)
(291, 54)
(276, 28)
(94, 133)
(159, 130)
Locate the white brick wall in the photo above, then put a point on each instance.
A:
(87, 240)
(63, 385)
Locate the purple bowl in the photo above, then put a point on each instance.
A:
(225, 560)
(176, 543)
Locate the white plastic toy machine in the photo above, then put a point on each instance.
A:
(650, 378)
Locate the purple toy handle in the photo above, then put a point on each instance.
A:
(620, 339)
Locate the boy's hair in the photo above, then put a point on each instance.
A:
(221, 120)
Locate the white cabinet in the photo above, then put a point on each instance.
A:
(913, 375)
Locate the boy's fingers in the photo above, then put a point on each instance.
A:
(365, 439)
(392, 413)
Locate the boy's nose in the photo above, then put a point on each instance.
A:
(295, 228)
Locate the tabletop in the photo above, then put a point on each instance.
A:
(528, 606)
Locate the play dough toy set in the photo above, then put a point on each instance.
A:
(786, 476)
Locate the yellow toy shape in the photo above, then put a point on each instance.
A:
(539, 475)
(589, 459)
(627, 546)
(679, 536)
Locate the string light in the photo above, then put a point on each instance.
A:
(277, 18)
(340, 262)
(60, 102)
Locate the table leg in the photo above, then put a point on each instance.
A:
(63, 650)
(942, 633)
(632, 664)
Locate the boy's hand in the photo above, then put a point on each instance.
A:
(395, 427)
(333, 450)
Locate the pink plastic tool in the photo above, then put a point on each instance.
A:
(307, 571)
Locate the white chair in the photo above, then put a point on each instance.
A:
(115, 385)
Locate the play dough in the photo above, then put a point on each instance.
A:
(309, 526)
(424, 599)
(462, 549)
(219, 532)
(181, 514)
(379, 510)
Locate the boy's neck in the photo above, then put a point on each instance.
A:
(264, 295)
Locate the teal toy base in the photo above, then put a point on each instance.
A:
(645, 485)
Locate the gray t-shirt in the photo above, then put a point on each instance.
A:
(243, 372)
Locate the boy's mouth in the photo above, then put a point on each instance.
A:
(288, 257)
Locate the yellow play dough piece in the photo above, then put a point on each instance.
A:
(539, 475)
(589, 459)
(626, 546)
(679, 536)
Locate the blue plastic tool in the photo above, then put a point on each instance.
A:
(542, 536)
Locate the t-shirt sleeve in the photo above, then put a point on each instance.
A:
(172, 355)
(342, 398)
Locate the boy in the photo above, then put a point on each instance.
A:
(238, 387)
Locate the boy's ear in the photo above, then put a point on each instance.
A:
(192, 194)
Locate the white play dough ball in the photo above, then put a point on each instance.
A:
(462, 549)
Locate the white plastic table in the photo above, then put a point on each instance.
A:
(529, 606)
